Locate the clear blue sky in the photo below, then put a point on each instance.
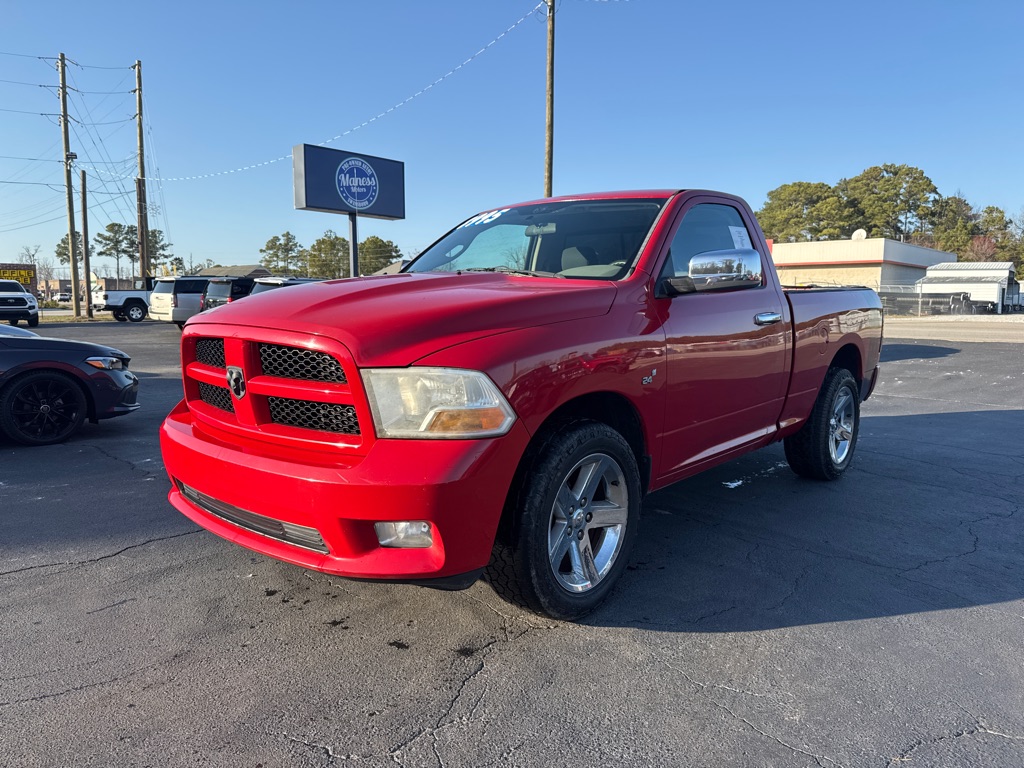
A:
(741, 97)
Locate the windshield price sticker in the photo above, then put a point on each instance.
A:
(483, 218)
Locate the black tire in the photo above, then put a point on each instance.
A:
(136, 311)
(33, 321)
(566, 559)
(42, 408)
(13, 321)
(824, 446)
(119, 316)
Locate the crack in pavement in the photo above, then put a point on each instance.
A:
(101, 557)
(978, 728)
(939, 486)
(793, 591)
(134, 466)
(926, 563)
(395, 753)
(703, 689)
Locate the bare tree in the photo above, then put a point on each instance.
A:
(27, 254)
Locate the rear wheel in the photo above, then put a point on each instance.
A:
(580, 509)
(41, 408)
(119, 316)
(135, 312)
(823, 448)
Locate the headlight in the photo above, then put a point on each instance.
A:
(436, 403)
(106, 363)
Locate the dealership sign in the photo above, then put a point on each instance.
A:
(335, 181)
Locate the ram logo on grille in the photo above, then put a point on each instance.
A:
(236, 381)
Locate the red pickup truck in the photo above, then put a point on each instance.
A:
(517, 388)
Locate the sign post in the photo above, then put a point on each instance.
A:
(336, 181)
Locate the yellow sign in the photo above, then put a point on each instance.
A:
(23, 276)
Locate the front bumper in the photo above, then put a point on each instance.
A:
(18, 313)
(317, 510)
(116, 393)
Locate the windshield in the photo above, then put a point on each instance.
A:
(11, 286)
(590, 239)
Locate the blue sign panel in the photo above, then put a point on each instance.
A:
(335, 181)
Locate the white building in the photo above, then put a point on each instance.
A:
(872, 262)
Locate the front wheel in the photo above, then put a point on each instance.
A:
(41, 408)
(13, 321)
(580, 509)
(33, 321)
(823, 448)
(119, 316)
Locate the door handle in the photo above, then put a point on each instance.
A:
(767, 318)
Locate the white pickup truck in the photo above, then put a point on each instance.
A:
(126, 305)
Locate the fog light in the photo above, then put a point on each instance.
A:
(409, 534)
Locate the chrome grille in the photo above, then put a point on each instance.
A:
(218, 397)
(210, 352)
(300, 535)
(326, 417)
(295, 363)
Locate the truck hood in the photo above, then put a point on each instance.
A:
(394, 320)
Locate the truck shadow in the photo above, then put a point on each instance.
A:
(894, 352)
(928, 518)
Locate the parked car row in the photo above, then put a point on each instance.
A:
(176, 299)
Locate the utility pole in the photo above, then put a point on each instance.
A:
(69, 157)
(353, 245)
(85, 252)
(550, 133)
(140, 182)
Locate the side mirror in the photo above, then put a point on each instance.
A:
(715, 271)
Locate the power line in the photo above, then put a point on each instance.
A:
(28, 56)
(386, 112)
(34, 85)
(26, 112)
(33, 159)
(26, 226)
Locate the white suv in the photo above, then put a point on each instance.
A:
(176, 299)
(16, 303)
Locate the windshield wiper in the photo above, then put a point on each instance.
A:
(513, 271)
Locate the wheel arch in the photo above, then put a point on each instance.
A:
(849, 357)
(609, 408)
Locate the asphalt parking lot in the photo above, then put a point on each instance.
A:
(765, 620)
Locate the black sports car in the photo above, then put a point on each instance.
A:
(48, 387)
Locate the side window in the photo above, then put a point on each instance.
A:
(705, 227)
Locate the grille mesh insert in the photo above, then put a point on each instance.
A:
(326, 417)
(295, 363)
(210, 352)
(301, 535)
(218, 397)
